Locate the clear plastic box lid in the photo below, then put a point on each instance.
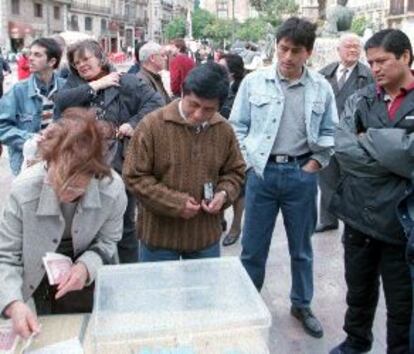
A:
(150, 300)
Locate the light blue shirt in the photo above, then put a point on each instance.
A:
(257, 112)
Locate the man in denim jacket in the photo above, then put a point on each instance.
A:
(284, 118)
(28, 106)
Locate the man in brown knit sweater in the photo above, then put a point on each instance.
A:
(174, 153)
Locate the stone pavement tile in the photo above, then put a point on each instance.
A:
(286, 334)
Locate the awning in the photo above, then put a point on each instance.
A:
(19, 29)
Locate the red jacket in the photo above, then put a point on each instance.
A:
(180, 66)
(23, 71)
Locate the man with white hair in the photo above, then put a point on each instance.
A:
(345, 76)
(153, 59)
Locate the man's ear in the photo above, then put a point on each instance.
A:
(52, 62)
(406, 57)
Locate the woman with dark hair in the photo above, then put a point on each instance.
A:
(122, 99)
(70, 203)
(235, 68)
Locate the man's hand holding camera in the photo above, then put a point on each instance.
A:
(215, 206)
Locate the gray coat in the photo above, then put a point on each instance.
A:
(32, 224)
(360, 77)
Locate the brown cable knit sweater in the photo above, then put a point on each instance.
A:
(169, 161)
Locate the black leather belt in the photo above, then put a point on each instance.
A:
(287, 158)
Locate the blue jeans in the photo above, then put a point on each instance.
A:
(149, 254)
(289, 188)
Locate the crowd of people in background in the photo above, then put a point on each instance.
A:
(116, 167)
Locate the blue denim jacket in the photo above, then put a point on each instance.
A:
(258, 108)
(20, 117)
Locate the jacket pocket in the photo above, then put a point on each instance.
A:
(259, 110)
(26, 117)
(259, 101)
(318, 110)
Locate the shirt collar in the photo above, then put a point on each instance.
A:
(403, 90)
(180, 110)
(43, 89)
(300, 81)
(341, 68)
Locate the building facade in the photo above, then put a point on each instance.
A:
(240, 10)
(23, 20)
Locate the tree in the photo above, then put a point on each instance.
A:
(201, 19)
(274, 10)
(176, 28)
(219, 31)
(252, 29)
(358, 25)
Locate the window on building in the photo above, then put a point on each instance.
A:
(38, 10)
(88, 23)
(56, 12)
(15, 7)
(74, 25)
(104, 25)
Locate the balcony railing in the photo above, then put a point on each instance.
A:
(76, 5)
(396, 7)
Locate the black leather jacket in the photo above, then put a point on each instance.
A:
(376, 157)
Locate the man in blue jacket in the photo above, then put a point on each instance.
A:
(28, 106)
(284, 118)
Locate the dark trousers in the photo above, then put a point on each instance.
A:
(328, 179)
(412, 313)
(149, 254)
(79, 301)
(128, 245)
(366, 261)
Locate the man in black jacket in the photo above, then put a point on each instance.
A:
(346, 77)
(374, 146)
(405, 213)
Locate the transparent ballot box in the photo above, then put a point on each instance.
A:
(205, 306)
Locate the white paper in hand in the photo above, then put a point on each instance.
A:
(8, 339)
(57, 266)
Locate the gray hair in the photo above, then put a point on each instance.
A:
(348, 36)
(147, 50)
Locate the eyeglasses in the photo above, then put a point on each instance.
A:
(80, 61)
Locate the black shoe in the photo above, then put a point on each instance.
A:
(345, 348)
(230, 239)
(323, 228)
(310, 323)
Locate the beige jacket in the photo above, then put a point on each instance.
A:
(32, 224)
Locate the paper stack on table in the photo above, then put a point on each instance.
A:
(57, 266)
(8, 339)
